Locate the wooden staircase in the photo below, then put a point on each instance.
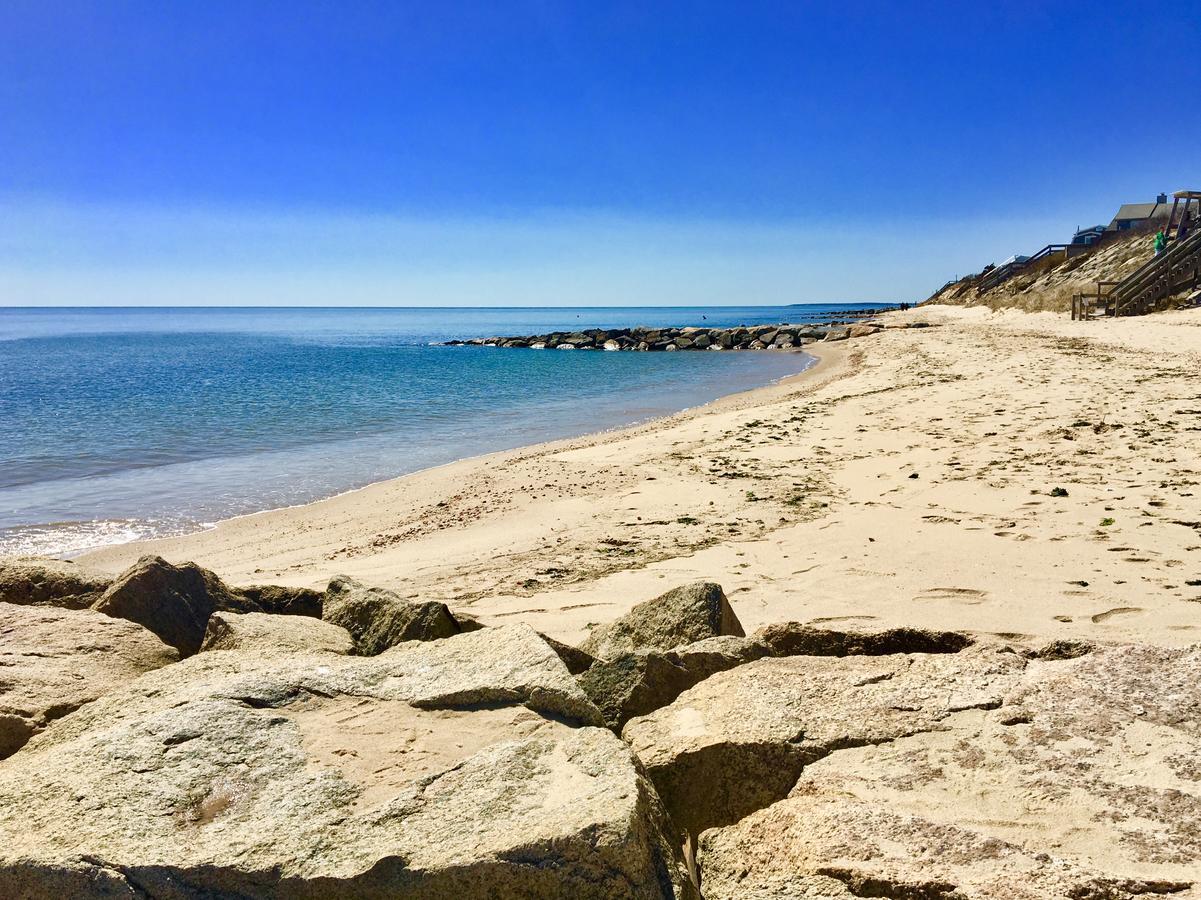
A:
(995, 276)
(1176, 270)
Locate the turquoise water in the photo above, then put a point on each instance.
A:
(118, 424)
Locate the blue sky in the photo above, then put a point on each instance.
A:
(570, 153)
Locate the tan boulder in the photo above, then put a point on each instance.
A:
(861, 329)
(639, 682)
(737, 741)
(1084, 783)
(683, 615)
(378, 618)
(447, 769)
(53, 661)
(37, 581)
(261, 631)
(174, 602)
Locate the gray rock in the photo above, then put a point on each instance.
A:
(466, 622)
(261, 631)
(174, 602)
(738, 740)
(683, 615)
(284, 601)
(797, 639)
(632, 684)
(36, 581)
(1084, 783)
(243, 774)
(574, 658)
(53, 661)
(638, 682)
(378, 619)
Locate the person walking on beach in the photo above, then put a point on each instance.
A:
(1161, 241)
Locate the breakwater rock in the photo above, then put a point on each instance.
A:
(292, 757)
(757, 337)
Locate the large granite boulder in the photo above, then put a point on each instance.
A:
(35, 581)
(738, 740)
(1084, 783)
(262, 631)
(684, 615)
(378, 618)
(174, 602)
(53, 661)
(460, 768)
(638, 682)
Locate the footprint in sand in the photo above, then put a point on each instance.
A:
(967, 596)
(1117, 611)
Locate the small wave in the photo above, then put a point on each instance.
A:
(66, 539)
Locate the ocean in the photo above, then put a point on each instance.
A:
(124, 423)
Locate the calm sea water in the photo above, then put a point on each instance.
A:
(118, 424)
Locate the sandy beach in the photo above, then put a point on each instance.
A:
(913, 477)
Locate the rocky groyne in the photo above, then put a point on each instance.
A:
(757, 337)
(164, 734)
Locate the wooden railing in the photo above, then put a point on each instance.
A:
(1175, 270)
(1003, 273)
(1088, 305)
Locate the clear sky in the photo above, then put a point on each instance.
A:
(542, 153)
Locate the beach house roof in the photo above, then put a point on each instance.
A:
(1130, 213)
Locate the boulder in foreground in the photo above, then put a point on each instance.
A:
(378, 618)
(261, 631)
(1085, 783)
(447, 769)
(53, 661)
(685, 615)
(50, 582)
(174, 602)
(739, 740)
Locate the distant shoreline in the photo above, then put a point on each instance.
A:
(262, 519)
(74, 537)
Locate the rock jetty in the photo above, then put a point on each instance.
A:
(757, 337)
(349, 743)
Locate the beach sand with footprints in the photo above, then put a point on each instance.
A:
(1001, 473)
